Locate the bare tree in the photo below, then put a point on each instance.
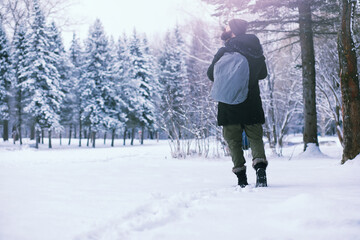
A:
(328, 86)
(14, 12)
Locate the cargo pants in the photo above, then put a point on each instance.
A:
(233, 136)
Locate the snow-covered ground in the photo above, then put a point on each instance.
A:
(139, 192)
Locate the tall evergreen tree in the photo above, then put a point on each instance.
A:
(77, 61)
(95, 84)
(115, 104)
(142, 76)
(20, 51)
(5, 82)
(63, 66)
(124, 86)
(42, 80)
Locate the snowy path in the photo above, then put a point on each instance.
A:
(138, 192)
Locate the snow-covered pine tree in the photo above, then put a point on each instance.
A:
(42, 80)
(174, 83)
(5, 82)
(124, 85)
(95, 84)
(77, 61)
(20, 50)
(63, 66)
(115, 116)
(153, 70)
(141, 75)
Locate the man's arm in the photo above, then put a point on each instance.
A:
(218, 55)
(263, 71)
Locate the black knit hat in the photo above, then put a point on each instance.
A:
(238, 26)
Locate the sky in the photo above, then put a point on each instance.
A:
(150, 17)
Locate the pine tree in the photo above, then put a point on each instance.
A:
(63, 66)
(124, 85)
(5, 82)
(115, 105)
(42, 84)
(77, 61)
(95, 84)
(20, 51)
(141, 75)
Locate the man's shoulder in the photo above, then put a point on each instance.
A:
(252, 38)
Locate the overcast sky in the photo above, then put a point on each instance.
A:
(118, 16)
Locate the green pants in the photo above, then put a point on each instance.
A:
(233, 137)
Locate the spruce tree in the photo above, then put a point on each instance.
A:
(63, 66)
(42, 80)
(124, 86)
(20, 50)
(114, 103)
(76, 73)
(5, 82)
(95, 83)
(141, 75)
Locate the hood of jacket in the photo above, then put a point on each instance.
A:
(247, 44)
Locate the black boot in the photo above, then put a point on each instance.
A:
(242, 179)
(261, 180)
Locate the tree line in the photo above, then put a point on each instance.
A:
(101, 86)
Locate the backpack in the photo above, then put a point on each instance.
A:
(231, 79)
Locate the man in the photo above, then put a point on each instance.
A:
(247, 116)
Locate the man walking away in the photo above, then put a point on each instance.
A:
(248, 115)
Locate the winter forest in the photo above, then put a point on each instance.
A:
(128, 88)
(113, 135)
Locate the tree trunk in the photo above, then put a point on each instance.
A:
(20, 134)
(349, 80)
(132, 136)
(308, 73)
(6, 130)
(42, 136)
(112, 137)
(125, 132)
(93, 139)
(70, 134)
(80, 132)
(32, 132)
(105, 137)
(19, 129)
(60, 139)
(37, 137)
(88, 137)
(142, 136)
(50, 146)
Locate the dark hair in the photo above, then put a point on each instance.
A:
(226, 35)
